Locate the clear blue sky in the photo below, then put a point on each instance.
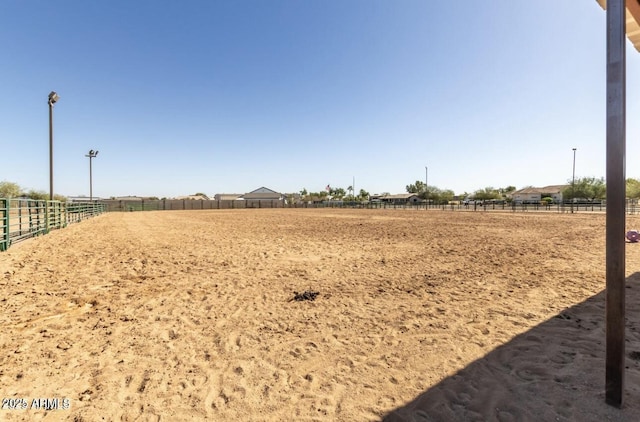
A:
(227, 96)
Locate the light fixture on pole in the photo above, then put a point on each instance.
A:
(53, 98)
(573, 180)
(91, 154)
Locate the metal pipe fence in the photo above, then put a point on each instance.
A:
(190, 204)
(24, 218)
(632, 207)
(187, 204)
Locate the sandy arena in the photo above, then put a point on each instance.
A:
(425, 316)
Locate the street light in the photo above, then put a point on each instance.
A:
(53, 98)
(573, 180)
(91, 154)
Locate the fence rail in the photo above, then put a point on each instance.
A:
(187, 204)
(632, 206)
(24, 218)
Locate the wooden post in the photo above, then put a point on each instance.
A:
(615, 244)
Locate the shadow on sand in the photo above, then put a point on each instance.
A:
(553, 372)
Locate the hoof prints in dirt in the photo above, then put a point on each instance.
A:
(306, 295)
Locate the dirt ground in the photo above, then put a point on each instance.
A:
(420, 316)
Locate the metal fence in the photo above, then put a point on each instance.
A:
(187, 204)
(632, 206)
(24, 218)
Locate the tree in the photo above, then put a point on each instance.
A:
(314, 196)
(487, 193)
(504, 192)
(586, 187)
(304, 192)
(9, 190)
(598, 188)
(364, 195)
(633, 188)
(417, 187)
(39, 195)
(337, 193)
(446, 196)
(433, 194)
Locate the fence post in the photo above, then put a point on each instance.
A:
(4, 242)
(46, 217)
(38, 215)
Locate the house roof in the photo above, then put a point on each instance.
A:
(263, 190)
(197, 197)
(633, 18)
(546, 189)
(399, 196)
(128, 198)
(262, 196)
(262, 193)
(228, 196)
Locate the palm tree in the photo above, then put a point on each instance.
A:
(364, 195)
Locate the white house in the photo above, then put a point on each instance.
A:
(263, 194)
(535, 195)
(401, 198)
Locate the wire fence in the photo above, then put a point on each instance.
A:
(24, 218)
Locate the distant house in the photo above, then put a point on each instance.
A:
(263, 194)
(535, 195)
(82, 198)
(128, 198)
(260, 194)
(401, 198)
(201, 197)
(227, 196)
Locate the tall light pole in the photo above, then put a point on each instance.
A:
(53, 98)
(353, 189)
(91, 154)
(573, 180)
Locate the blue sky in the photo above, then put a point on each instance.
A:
(227, 96)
